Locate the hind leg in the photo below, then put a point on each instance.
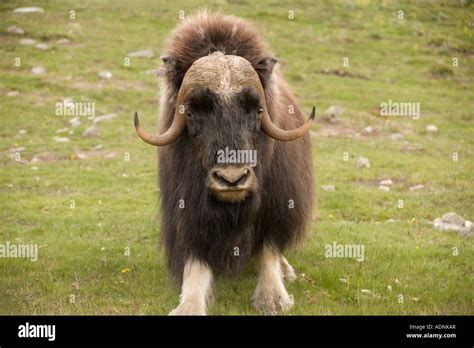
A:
(287, 270)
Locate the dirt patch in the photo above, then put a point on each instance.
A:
(343, 73)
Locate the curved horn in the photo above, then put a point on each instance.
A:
(176, 128)
(285, 135)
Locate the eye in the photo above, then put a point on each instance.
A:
(260, 111)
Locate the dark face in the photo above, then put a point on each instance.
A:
(224, 132)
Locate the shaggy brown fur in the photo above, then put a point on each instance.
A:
(207, 229)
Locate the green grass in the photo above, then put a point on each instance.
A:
(82, 249)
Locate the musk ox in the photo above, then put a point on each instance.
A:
(222, 91)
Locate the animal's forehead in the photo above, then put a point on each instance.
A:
(223, 74)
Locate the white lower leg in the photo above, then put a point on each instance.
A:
(287, 270)
(270, 295)
(196, 288)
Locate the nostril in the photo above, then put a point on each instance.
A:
(228, 177)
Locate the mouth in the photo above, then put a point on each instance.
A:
(230, 195)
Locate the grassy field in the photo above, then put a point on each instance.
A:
(85, 203)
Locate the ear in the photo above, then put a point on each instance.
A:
(264, 69)
(170, 66)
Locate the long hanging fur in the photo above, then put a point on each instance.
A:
(280, 213)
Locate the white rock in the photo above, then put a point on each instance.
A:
(453, 218)
(81, 155)
(141, 54)
(44, 157)
(107, 117)
(12, 93)
(91, 132)
(105, 75)
(363, 162)
(365, 291)
(416, 187)
(333, 112)
(384, 188)
(38, 70)
(28, 10)
(16, 30)
(440, 225)
(17, 149)
(431, 128)
(75, 121)
(63, 41)
(328, 188)
(43, 46)
(367, 130)
(468, 224)
(62, 130)
(22, 131)
(98, 147)
(61, 139)
(396, 136)
(111, 155)
(27, 41)
(386, 182)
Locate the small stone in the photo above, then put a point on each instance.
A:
(367, 130)
(105, 75)
(416, 187)
(386, 182)
(22, 131)
(453, 218)
(91, 132)
(75, 121)
(342, 280)
(363, 162)
(111, 155)
(389, 287)
(384, 188)
(44, 157)
(333, 112)
(27, 41)
(328, 188)
(17, 149)
(390, 221)
(38, 70)
(28, 10)
(12, 93)
(453, 222)
(431, 128)
(81, 155)
(396, 136)
(98, 147)
(63, 41)
(16, 30)
(62, 130)
(43, 46)
(61, 139)
(107, 117)
(365, 291)
(141, 54)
